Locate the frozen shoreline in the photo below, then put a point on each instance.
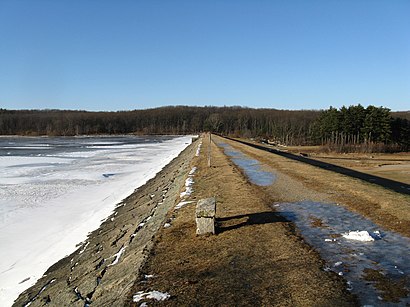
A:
(26, 252)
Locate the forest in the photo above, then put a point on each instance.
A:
(350, 128)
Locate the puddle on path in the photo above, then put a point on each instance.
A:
(251, 167)
(378, 271)
(383, 263)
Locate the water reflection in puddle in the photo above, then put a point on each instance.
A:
(251, 167)
(387, 257)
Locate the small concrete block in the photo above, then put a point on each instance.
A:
(205, 216)
(206, 207)
(205, 225)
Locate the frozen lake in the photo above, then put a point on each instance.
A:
(54, 191)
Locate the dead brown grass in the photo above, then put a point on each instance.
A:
(391, 290)
(298, 180)
(395, 166)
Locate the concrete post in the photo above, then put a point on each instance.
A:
(205, 216)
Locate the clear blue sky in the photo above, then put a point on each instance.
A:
(120, 55)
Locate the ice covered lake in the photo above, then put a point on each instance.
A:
(54, 191)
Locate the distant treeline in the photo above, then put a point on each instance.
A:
(354, 125)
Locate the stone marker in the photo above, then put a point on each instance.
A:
(205, 216)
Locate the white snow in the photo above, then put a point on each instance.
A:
(167, 225)
(182, 203)
(117, 256)
(155, 295)
(189, 181)
(41, 290)
(198, 150)
(192, 171)
(358, 235)
(83, 249)
(49, 204)
(188, 188)
(187, 192)
(377, 235)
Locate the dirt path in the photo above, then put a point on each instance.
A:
(255, 259)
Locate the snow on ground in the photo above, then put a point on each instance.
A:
(117, 256)
(188, 184)
(154, 295)
(198, 150)
(182, 204)
(51, 199)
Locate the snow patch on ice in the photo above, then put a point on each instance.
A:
(369, 247)
(154, 295)
(358, 235)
